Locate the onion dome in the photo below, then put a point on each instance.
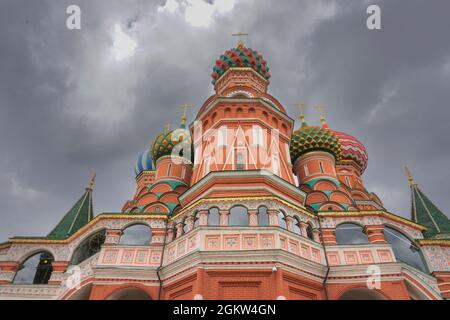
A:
(311, 138)
(353, 149)
(178, 140)
(144, 162)
(240, 57)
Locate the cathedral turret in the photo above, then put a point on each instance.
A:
(329, 165)
(425, 212)
(241, 69)
(144, 170)
(314, 152)
(77, 217)
(171, 153)
(242, 127)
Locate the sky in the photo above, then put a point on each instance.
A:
(74, 102)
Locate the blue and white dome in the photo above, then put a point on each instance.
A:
(144, 162)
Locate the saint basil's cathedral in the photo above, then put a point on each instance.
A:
(240, 204)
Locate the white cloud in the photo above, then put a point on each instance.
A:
(170, 6)
(124, 46)
(388, 94)
(198, 13)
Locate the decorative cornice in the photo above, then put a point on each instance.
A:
(228, 199)
(438, 242)
(241, 69)
(371, 213)
(259, 173)
(5, 245)
(87, 226)
(217, 100)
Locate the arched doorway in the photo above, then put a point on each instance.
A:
(130, 294)
(362, 294)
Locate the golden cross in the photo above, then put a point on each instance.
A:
(301, 107)
(183, 116)
(91, 182)
(185, 107)
(320, 109)
(240, 36)
(410, 176)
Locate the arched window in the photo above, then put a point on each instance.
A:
(350, 233)
(88, 247)
(309, 232)
(36, 269)
(213, 217)
(404, 249)
(282, 219)
(263, 216)
(136, 235)
(296, 226)
(238, 216)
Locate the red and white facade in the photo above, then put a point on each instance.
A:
(241, 171)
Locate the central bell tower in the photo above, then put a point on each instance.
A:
(242, 130)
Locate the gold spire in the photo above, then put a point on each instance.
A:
(410, 177)
(301, 108)
(91, 182)
(322, 116)
(183, 115)
(240, 36)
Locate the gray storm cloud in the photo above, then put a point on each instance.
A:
(74, 102)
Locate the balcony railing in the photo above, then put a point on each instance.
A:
(130, 256)
(339, 255)
(243, 238)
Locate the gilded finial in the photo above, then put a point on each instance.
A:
(91, 182)
(240, 36)
(322, 115)
(183, 115)
(410, 177)
(301, 108)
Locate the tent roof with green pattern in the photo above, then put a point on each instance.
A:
(425, 212)
(77, 217)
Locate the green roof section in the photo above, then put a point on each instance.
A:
(173, 183)
(77, 217)
(425, 212)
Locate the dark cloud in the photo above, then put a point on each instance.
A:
(68, 109)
